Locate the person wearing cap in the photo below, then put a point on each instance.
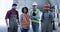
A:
(35, 16)
(13, 17)
(47, 19)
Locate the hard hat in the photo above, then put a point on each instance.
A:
(34, 3)
(47, 5)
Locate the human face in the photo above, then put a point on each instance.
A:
(35, 7)
(25, 10)
(13, 7)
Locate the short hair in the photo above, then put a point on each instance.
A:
(26, 10)
(14, 4)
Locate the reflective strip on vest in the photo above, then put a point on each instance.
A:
(36, 21)
(25, 21)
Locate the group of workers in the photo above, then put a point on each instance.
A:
(33, 18)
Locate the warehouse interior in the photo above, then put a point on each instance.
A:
(5, 5)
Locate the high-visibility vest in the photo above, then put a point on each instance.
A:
(25, 21)
(37, 19)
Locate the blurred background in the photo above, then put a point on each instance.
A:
(5, 5)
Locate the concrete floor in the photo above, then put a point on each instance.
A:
(3, 27)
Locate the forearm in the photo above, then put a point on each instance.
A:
(17, 16)
(6, 21)
(33, 17)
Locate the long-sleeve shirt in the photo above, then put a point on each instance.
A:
(36, 17)
(12, 11)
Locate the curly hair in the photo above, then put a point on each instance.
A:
(26, 10)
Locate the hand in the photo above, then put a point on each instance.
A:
(17, 21)
(41, 20)
(7, 24)
(52, 24)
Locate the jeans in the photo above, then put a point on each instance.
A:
(35, 27)
(24, 30)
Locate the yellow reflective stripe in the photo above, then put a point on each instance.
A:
(35, 21)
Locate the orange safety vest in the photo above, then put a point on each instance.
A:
(25, 21)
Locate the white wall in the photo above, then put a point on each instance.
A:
(5, 5)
